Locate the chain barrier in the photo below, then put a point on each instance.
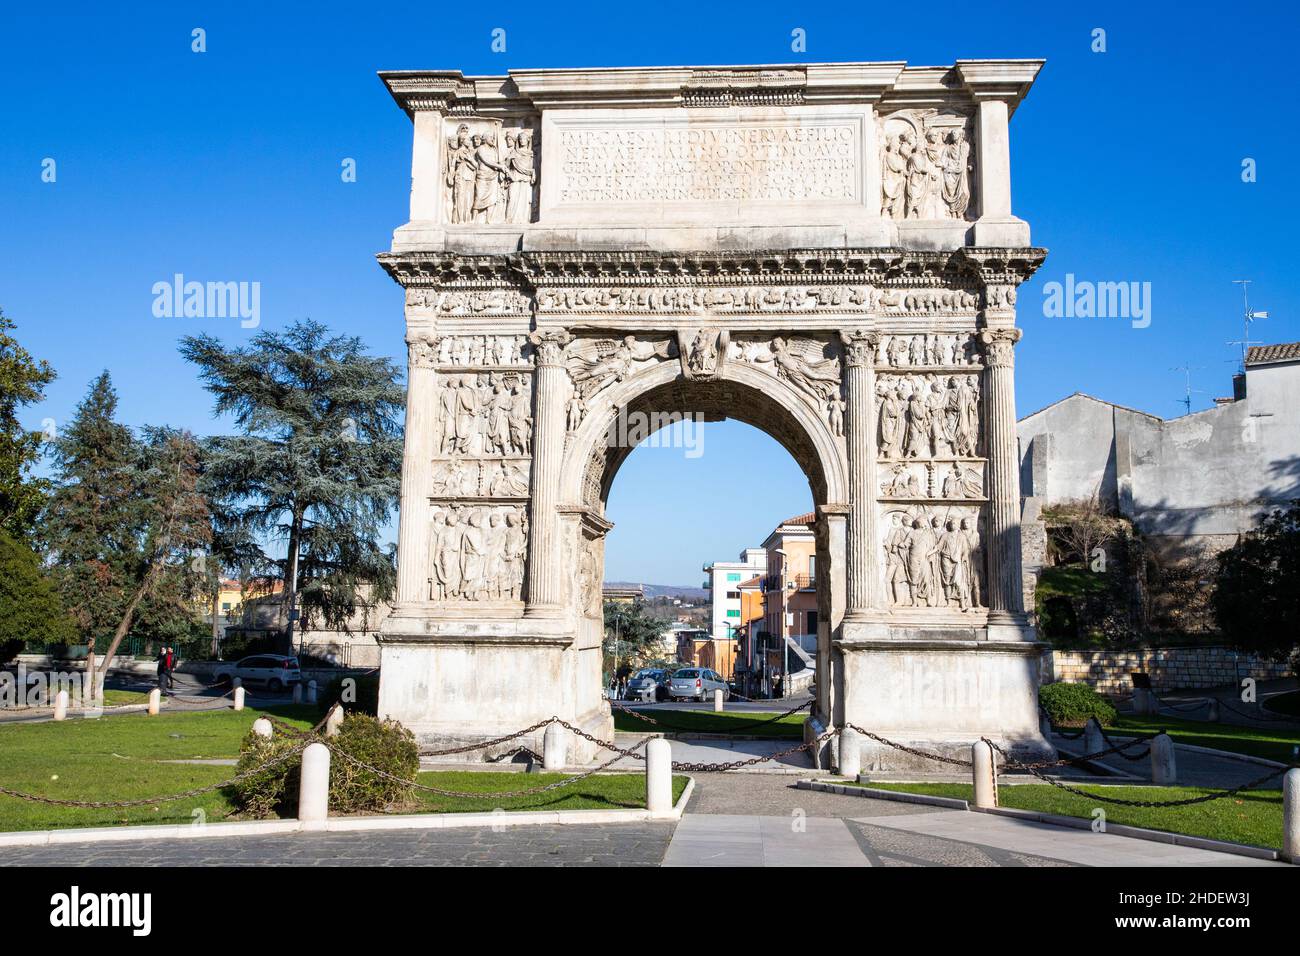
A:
(686, 730)
(1119, 750)
(1190, 801)
(748, 762)
(1261, 717)
(955, 761)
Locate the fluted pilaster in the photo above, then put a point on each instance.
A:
(413, 562)
(860, 437)
(1005, 587)
(550, 388)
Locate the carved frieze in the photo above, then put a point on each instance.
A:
(933, 557)
(478, 552)
(926, 165)
(480, 477)
(928, 416)
(929, 350)
(956, 302)
(482, 351)
(483, 413)
(692, 300)
(490, 172)
(955, 480)
(469, 302)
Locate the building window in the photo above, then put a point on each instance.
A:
(733, 614)
(733, 595)
(733, 577)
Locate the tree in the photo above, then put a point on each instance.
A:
(632, 635)
(176, 528)
(317, 465)
(92, 525)
(30, 609)
(1257, 587)
(22, 382)
(1080, 527)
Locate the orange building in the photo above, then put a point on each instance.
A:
(783, 641)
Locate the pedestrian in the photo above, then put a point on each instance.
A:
(172, 661)
(162, 669)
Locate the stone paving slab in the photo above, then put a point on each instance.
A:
(719, 840)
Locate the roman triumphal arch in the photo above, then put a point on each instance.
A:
(825, 251)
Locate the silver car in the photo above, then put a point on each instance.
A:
(273, 670)
(699, 683)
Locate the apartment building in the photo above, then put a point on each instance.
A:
(723, 583)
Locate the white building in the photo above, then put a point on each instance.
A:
(723, 583)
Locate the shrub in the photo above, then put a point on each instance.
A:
(1069, 703)
(359, 694)
(385, 745)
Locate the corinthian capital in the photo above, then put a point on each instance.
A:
(549, 344)
(860, 347)
(998, 346)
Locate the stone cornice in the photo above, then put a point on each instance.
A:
(884, 267)
(526, 91)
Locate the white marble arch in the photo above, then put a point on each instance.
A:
(757, 398)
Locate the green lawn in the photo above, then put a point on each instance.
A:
(601, 792)
(119, 698)
(1254, 817)
(710, 722)
(1269, 743)
(120, 758)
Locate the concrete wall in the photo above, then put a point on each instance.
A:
(1170, 667)
(1210, 475)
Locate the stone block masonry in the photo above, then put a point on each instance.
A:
(1170, 668)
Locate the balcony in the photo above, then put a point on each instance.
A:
(804, 582)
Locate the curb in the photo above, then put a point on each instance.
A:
(898, 796)
(414, 821)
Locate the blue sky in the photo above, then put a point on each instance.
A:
(225, 166)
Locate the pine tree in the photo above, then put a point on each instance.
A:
(22, 382)
(317, 465)
(93, 524)
(30, 609)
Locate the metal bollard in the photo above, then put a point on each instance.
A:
(262, 727)
(311, 692)
(659, 777)
(297, 693)
(1093, 742)
(314, 786)
(1291, 815)
(239, 698)
(334, 720)
(61, 705)
(1164, 769)
(984, 771)
(717, 700)
(155, 701)
(553, 746)
(850, 753)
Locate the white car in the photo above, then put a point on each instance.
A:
(275, 671)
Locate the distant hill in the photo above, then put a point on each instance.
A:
(695, 595)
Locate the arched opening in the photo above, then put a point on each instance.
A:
(660, 412)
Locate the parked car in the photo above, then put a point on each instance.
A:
(699, 683)
(645, 679)
(275, 671)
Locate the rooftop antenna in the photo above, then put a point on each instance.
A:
(1188, 370)
(1247, 317)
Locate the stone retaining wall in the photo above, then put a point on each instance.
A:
(1170, 667)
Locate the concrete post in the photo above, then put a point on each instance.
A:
(155, 701)
(239, 698)
(334, 720)
(553, 747)
(262, 727)
(61, 705)
(717, 700)
(1212, 714)
(850, 753)
(1093, 742)
(311, 692)
(984, 771)
(659, 777)
(297, 693)
(1291, 815)
(314, 785)
(1164, 770)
